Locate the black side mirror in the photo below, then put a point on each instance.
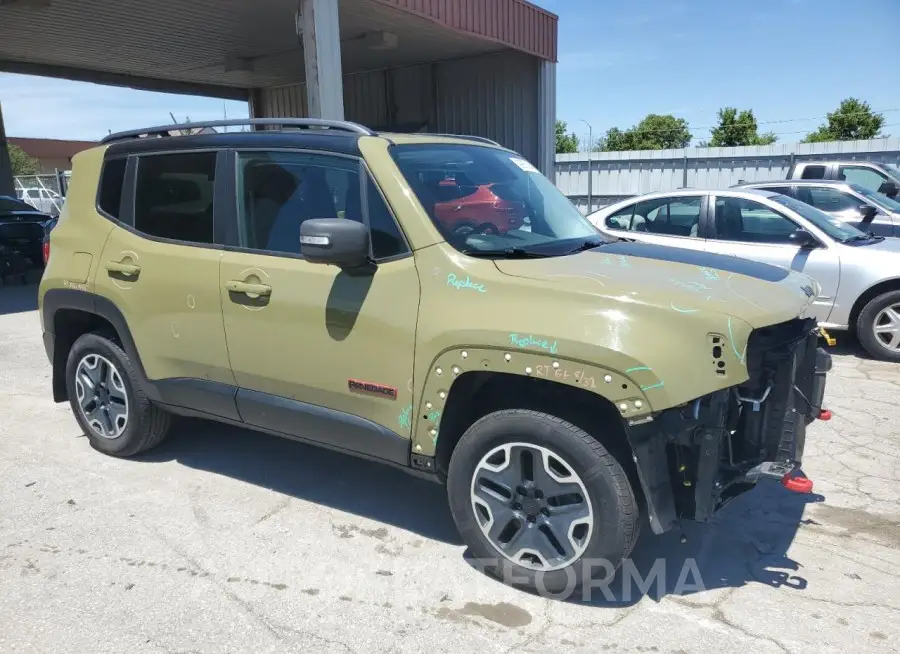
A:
(868, 213)
(337, 241)
(804, 240)
(889, 188)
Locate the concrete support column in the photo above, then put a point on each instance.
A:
(7, 187)
(319, 28)
(547, 118)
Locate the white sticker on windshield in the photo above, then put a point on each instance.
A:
(524, 165)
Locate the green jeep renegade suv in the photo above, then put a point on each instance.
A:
(431, 302)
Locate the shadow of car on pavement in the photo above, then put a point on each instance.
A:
(18, 298)
(747, 542)
(312, 473)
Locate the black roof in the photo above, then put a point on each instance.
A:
(340, 136)
(331, 141)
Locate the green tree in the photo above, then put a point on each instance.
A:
(22, 164)
(565, 143)
(738, 128)
(655, 132)
(852, 120)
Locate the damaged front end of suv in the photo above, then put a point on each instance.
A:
(696, 457)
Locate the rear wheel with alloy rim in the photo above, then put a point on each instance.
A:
(102, 398)
(540, 502)
(108, 401)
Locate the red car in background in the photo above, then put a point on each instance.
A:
(464, 207)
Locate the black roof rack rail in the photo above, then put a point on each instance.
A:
(468, 137)
(315, 123)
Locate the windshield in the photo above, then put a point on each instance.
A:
(483, 199)
(836, 229)
(893, 170)
(880, 199)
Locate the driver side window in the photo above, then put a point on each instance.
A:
(749, 221)
(281, 190)
(866, 177)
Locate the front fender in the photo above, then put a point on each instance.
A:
(624, 390)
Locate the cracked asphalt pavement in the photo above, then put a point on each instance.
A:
(224, 540)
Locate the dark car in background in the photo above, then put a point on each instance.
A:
(862, 207)
(23, 232)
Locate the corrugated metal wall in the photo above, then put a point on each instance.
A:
(622, 174)
(280, 102)
(493, 95)
(517, 23)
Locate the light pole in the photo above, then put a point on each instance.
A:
(590, 203)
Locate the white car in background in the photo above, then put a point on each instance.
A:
(859, 273)
(42, 199)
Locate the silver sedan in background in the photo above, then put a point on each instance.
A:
(852, 203)
(859, 272)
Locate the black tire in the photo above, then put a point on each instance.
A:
(465, 228)
(147, 425)
(865, 324)
(487, 228)
(616, 520)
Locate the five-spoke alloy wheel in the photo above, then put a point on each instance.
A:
(101, 395)
(108, 400)
(532, 506)
(539, 501)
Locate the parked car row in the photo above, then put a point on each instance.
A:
(838, 233)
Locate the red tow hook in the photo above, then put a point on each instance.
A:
(825, 414)
(797, 483)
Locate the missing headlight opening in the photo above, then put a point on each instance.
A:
(716, 447)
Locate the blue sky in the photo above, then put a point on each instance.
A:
(785, 59)
(618, 61)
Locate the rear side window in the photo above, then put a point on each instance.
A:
(678, 216)
(111, 181)
(813, 172)
(174, 196)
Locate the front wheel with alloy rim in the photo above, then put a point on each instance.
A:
(540, 502)
(878, 326)
(107, 400)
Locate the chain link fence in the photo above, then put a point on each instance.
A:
(45, 192)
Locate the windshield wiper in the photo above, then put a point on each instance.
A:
(863, 237)
(587, 245)
(508, 253)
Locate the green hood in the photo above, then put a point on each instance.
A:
(679, 280)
